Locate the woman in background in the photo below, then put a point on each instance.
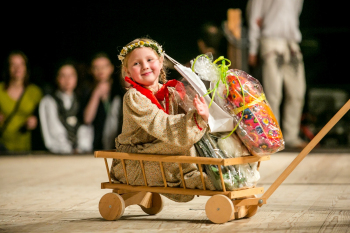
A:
(18, 102)
(62, 130)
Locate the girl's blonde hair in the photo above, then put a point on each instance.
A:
(163, 71)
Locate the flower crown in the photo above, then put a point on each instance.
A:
(156, 47)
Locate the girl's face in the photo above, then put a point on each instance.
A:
(144, 66)
(67, 78)
(17, 68)
(102, 69)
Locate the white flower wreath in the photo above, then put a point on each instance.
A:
(156, 47)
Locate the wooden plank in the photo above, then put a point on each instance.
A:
(120, 191)
(222, 179)
(246, 159)
(163, 175)
(125, 173)
(202, 178)
(179, 158)
(234, 18)
(234, 51)
(310, 208)
(143, 172)
(138, 198)
(338, 213)
(107, 168)
(246, 192)
(249, 201)
(135, 188)
(182, 176)
(240, 211)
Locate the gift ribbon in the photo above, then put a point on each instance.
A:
(223, 68)
(257, 100)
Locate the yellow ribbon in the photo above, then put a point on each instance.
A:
(240, 109)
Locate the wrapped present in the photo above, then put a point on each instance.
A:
(257, 125)
(242, 96)
(221, 145)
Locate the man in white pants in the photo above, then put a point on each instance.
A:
(274, 26)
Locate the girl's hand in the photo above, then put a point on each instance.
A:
(202, 107)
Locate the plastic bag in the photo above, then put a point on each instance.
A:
(235, 176)
(242, 96)
(257, 126)
(218, 145)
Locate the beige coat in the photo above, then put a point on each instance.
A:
(148, 129)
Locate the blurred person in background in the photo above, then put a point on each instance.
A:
(19, 100)
(103, 103)
(274, 34)
(62, 129)
(211, 40)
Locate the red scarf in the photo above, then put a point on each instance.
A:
(161, 94)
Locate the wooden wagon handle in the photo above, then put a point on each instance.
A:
(307, 149)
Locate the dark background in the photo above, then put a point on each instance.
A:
(50, 31)
(61, 29)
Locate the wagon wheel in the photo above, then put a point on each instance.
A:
(157, 205)
(252, 209)
(111, 206)
(219, 209)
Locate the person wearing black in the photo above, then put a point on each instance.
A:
(103, 108)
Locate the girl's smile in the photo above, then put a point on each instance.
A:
(145, 74)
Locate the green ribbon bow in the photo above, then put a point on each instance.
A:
(223, 68)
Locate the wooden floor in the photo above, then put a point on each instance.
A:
(46, 193)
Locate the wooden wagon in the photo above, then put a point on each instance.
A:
(222, 206)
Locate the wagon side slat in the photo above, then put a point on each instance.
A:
(180, 158)
(173, 190)
(143, 172)
(182, 175)
(222, 179)
(125, 173)
(163, 174)
(107, 168)
(202, 178)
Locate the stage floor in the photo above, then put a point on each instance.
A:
(48, 193)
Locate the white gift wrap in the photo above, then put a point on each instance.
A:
(219, 120)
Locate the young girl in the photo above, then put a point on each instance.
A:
(152, 123)
(62, 131)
